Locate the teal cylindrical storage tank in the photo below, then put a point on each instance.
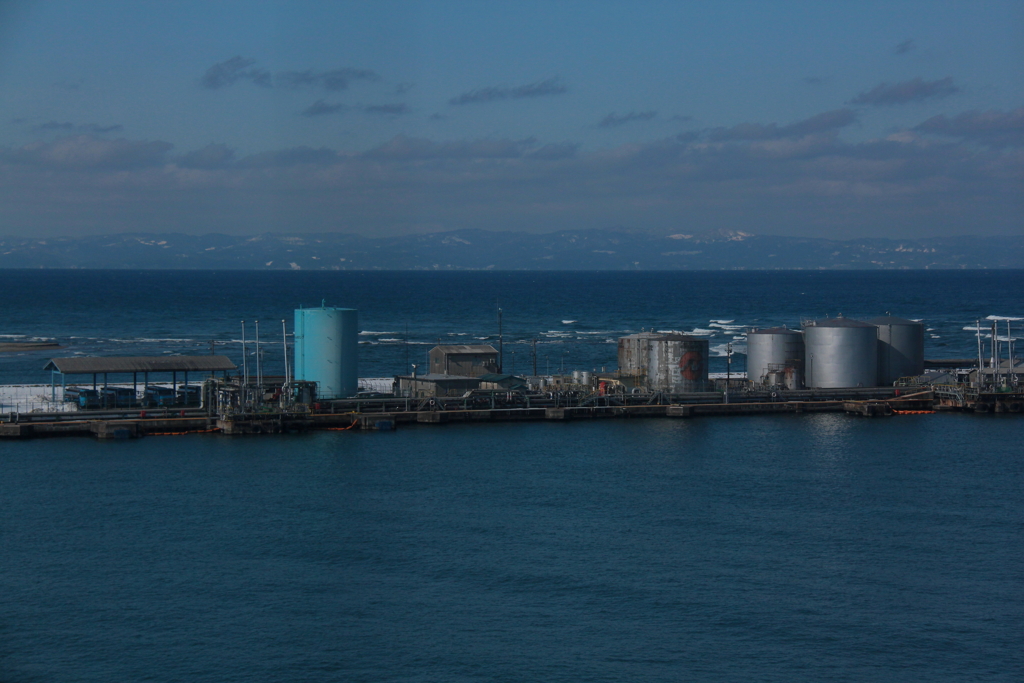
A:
(326, 350)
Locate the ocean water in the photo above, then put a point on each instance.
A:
(770, 548)
(821, 547)
(575, 318)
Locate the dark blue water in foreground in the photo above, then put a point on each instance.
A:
(783, 548)
(811, 548)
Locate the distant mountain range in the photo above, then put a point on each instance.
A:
(596, 249)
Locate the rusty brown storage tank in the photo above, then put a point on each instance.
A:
(840, 352)
(775, 356)
(675, 363)
(900, 348)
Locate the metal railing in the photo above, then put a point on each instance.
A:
(954, 393)
(32, 399)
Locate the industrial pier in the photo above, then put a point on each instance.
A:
(387, 413)
(868, 368)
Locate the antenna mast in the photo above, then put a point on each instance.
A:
(501, 350)
(245, 358)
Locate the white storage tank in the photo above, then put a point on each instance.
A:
(775, 357)
(900, 348)
(840, 352)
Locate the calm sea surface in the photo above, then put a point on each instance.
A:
(807, 548)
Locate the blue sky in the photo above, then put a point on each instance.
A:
(803, 118)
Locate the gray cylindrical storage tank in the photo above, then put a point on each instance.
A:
(678, 363)
(694, 358)
(900, 348)
(840, 352)
(675, 363)
(326, 350)
(634, 354)
(777, 346)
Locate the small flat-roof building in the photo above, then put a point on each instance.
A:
(467, 360)
(496, 382)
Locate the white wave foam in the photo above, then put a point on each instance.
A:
(1002, 317)
(569, 322)
(722, 350)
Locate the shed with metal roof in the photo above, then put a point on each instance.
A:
(133, 365)
(468, 360)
